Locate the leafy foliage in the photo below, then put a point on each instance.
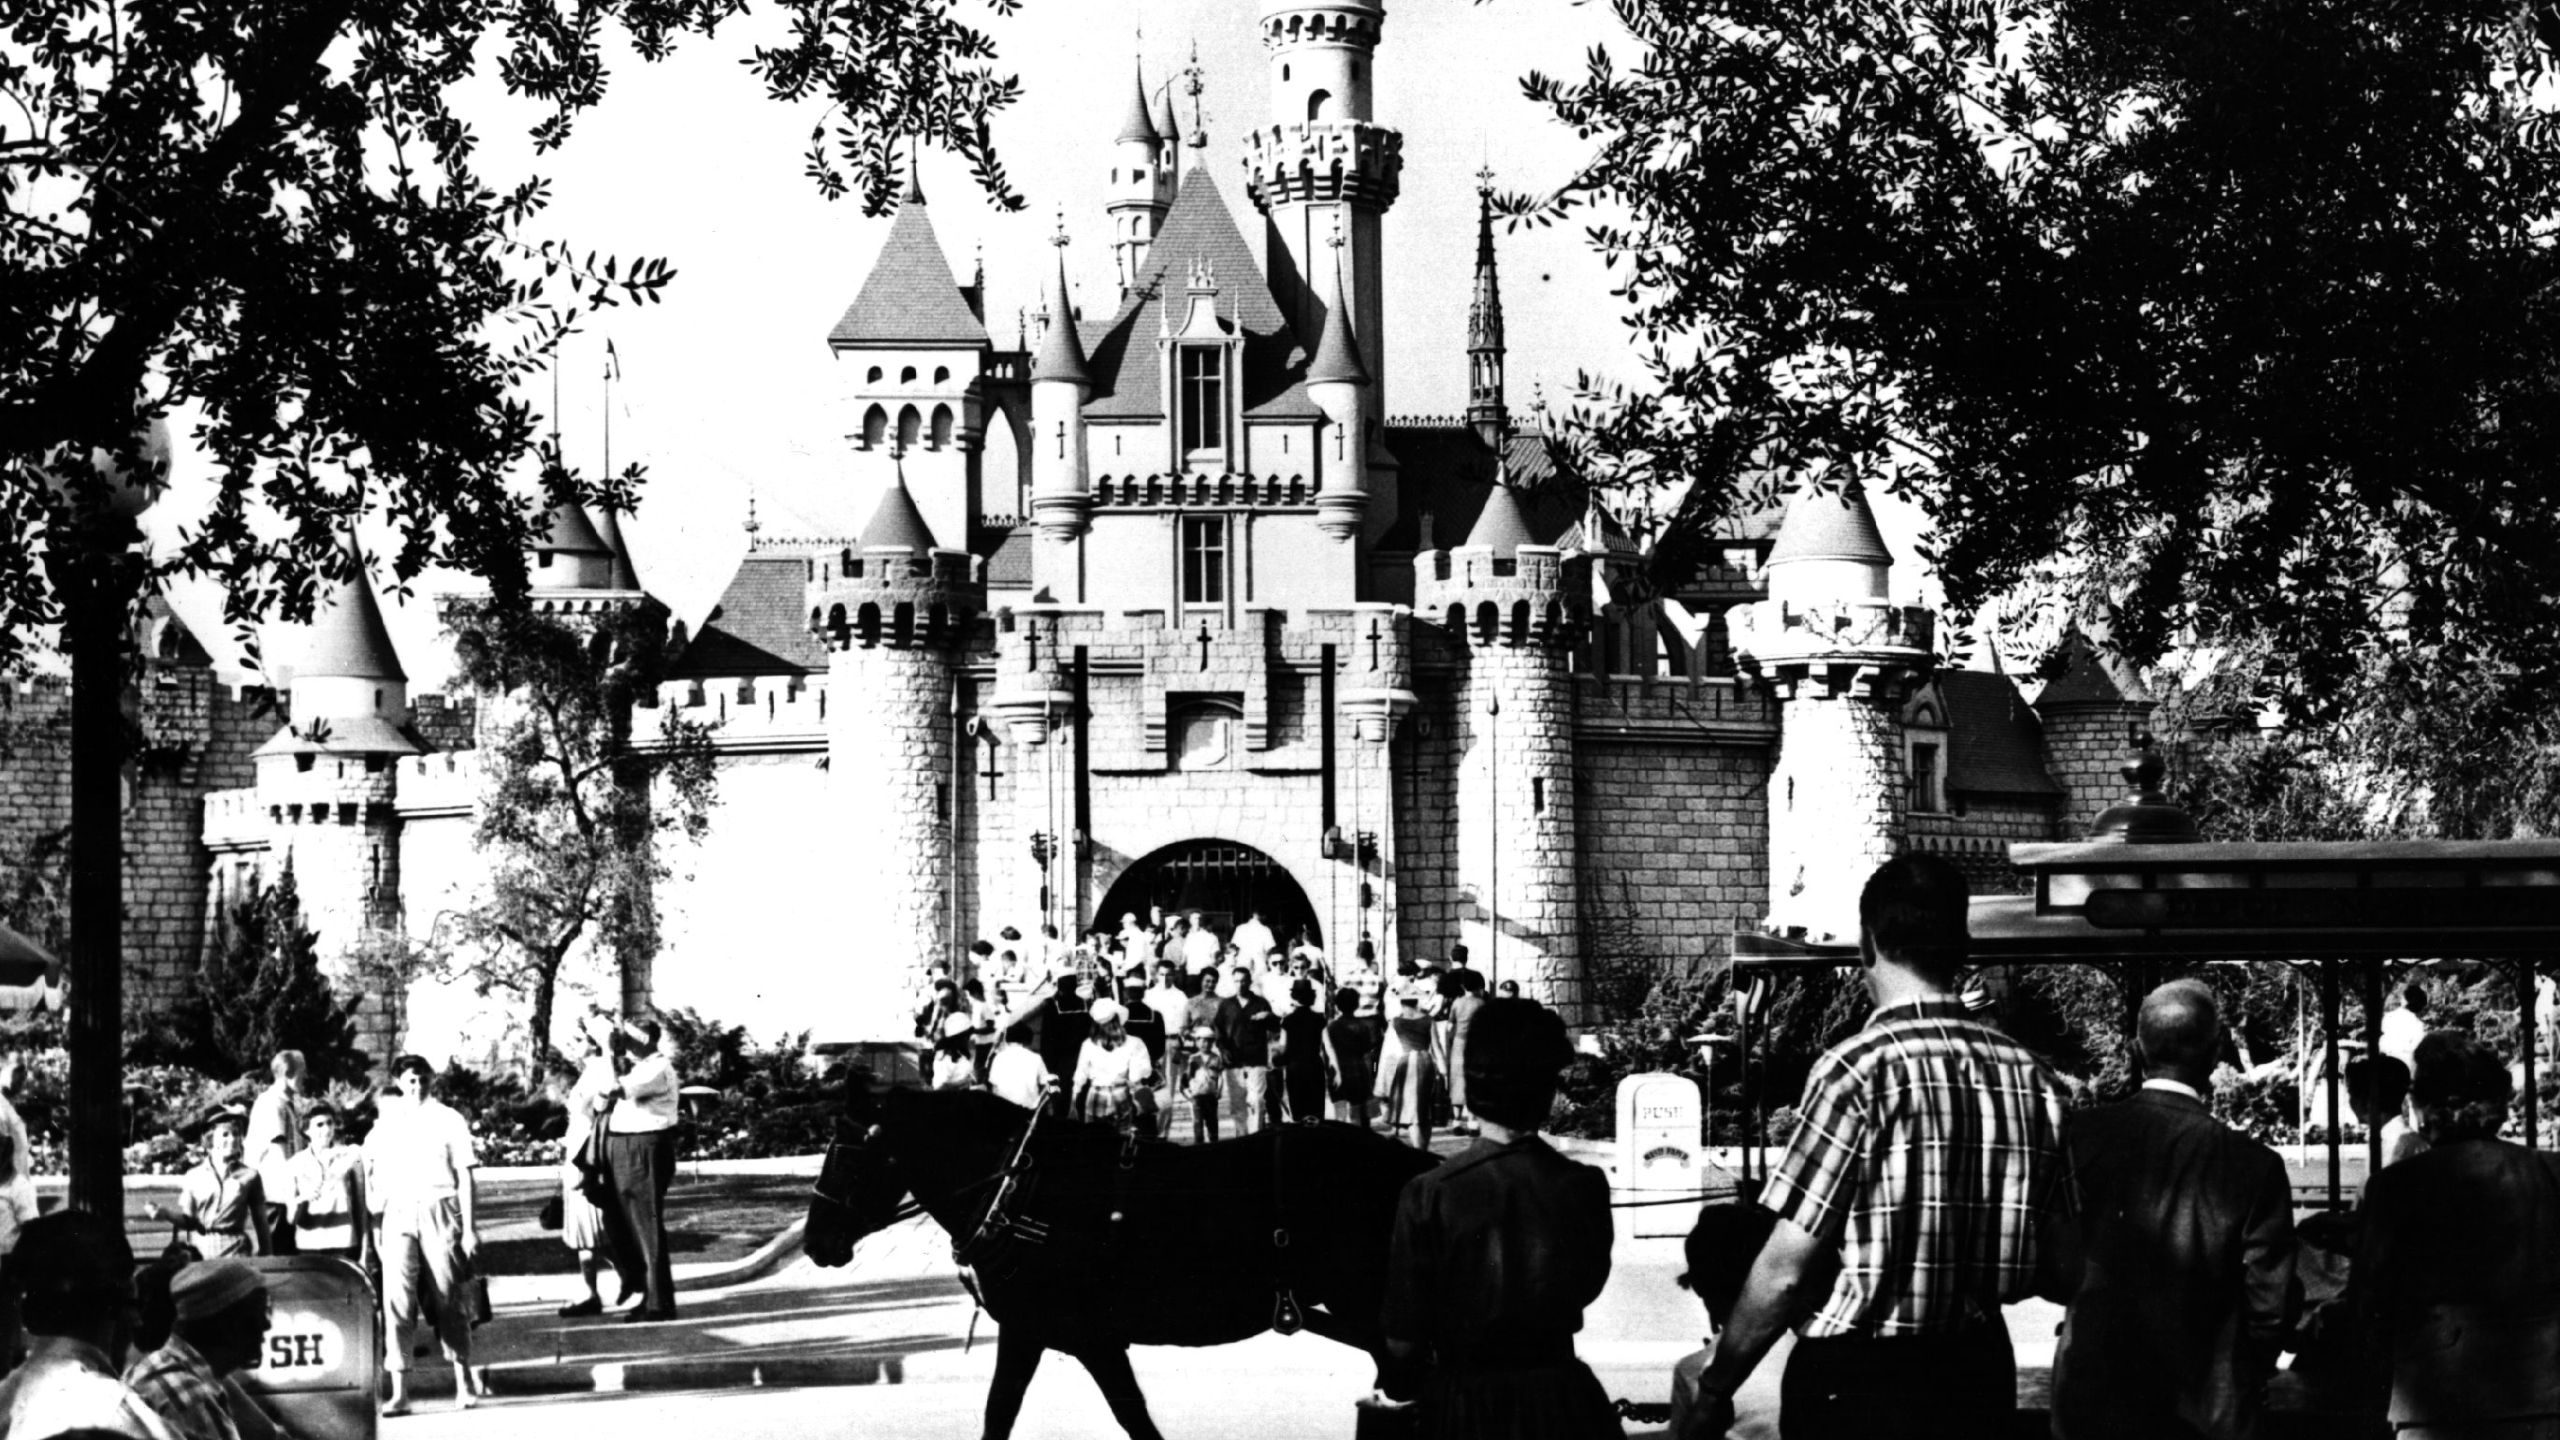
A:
(274, 215)
(262, 991)
(2235, 315)
(574, 815)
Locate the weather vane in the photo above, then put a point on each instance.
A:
(1060, 238)
(1192, 86)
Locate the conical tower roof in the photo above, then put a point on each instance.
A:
(348, 640)
(1137, 125)
(1826, 524)
(570, 532)
(609, 530)
(897, 524)
(1501, 526)
(1165, 125)
(1061, 353)
(1337, 357)
(909, 297)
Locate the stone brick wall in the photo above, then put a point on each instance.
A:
(889, 739)
(1978, 841)
(1835, 808)
(1674, 846)
(2083, 745)
(1519, 907)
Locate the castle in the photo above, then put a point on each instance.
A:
(1164, 607)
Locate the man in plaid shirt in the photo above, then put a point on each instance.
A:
(1909, 1203)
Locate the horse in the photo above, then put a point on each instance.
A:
(1087, 1242)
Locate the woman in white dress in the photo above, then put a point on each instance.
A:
(1112, 1070)
(582, 1226)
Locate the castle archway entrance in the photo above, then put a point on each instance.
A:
(1223, 881)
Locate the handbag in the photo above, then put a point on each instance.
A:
(553, 1215)
(475, 1298)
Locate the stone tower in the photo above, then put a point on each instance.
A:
(1141, 189)
(1841, 658)
(2088, 711)
(1508, 602)
(329, 784)
(1061, 500)
(1487, 411)
(897, 618)
(1325, 163)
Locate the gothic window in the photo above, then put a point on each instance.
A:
(872, 376)
(1204, 560)
(1203, 398)
(1925, 794)
(910, 424)
(906, 374)
(941, 374)
(875, 426)
(941, 426)
(1316, 100)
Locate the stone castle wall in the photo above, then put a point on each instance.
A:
(2084, 745)
(1835, 809)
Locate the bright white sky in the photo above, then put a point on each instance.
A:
(726, 387)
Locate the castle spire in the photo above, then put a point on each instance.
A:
(1337, 355)
(1486, 409)
(915, 177)
(1061, 354)
(1137, 126)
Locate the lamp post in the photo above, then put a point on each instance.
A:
(95, 573)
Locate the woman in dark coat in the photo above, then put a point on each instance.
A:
(2457, 1273)
(1302, 1068)
(1496, 1255)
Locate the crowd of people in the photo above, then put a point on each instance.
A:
(1241, 1029)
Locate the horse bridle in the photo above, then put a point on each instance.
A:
(911, 1207)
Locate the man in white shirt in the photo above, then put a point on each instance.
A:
(1200, 947)
(639, 1148)
(420, 1173)
(1254, 938)
(2403, 1028)
(1016, 1072)
(77, 1277)
(276, 1136)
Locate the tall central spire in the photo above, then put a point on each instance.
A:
(1486, 409)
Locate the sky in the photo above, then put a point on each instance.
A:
(726, 388)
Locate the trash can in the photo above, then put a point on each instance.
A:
(321, 1371)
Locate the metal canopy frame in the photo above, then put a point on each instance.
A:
(2138, 910)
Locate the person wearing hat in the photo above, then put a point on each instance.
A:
(74, 1279)
(955, 1062)
(222, 1324)
(1406, 1068)
(2456, 1281)
(222, 1204)
(1496, 1254)
(1112, 1070)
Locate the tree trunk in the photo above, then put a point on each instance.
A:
(546, 983)
(94, 616)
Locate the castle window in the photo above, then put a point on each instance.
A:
(1925, 793)
(1204, 560)
(941, 426)
(875, 426)
(1316, 100)
(941, 374)
(377, 697)
(1204, 734)
(373, 764)
(1203, 398)
(542, 561)
(1138, 174)
(910, 424)
(302, 762)
(872, 376)
(1537, 795)
(906, 374)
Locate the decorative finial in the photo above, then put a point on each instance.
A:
(978, 269)
(1060, 238)
(1021, 327)
(1538, 398)
(753, 524)
(1484, 180)
(915, 173)
(1335, 240)
(1198, 139)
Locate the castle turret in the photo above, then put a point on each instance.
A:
(1486, 409)
(328, 782)
(1141, 187)
(1510, 603)
(1842, 658)
(896, 618)
(1339, 384)
(2088, 711)
(1061, 502)
(571, 555)
(1325, 163)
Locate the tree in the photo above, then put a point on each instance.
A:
(263, 991)
(573, 817)
(272, 214)
(2241, 312)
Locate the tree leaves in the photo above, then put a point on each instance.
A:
(2238, 312)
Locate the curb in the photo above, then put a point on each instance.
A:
(431, 1380)
(769, 1257)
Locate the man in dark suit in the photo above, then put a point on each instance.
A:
(2177, 1262)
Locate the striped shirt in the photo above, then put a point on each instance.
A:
(1929, 1149)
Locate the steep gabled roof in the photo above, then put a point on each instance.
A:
(1995, 745)
(1826, 524)
(2092, 676)
(1128, 369)
(897, 524)
(909, 297)
(348, 640)
(760, 626)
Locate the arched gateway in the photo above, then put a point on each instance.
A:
(1221, 880)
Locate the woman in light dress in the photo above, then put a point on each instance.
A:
(582, 1226)
(1407, 1070)
(1112, 1070)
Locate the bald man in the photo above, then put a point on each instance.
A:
(2178, 1259)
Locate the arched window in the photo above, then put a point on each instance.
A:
(906, 374)
(1519, 622)
(867, 620)
(909, 423)
(902, 623)
(872, 376)
(1316, 101)
(941, 426)
(875, 427)
(941, 374)
(1284, 72)
(1457, 621)
(1488, 623)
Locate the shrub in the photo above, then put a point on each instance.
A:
(1654, 1038)
(259, 992)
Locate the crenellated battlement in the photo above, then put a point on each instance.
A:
(447, 783)
(1847, 645)
(864, 599)
(1325, 22)
(1266, 492)
(1482, 596)
(235, 820)
(1324, 160)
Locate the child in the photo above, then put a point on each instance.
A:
(326, 1204)
(1720, 1250)
(1203, 1077)
(220, 1202)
